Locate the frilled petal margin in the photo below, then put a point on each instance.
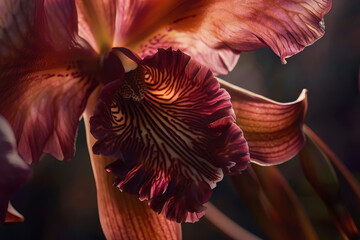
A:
(273, 130)
(173, 143)
(215, 32)
(14, 171)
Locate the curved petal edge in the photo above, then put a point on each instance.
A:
(273, 130)
(215, 32)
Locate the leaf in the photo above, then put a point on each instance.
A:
(321, 175)
(273, 203)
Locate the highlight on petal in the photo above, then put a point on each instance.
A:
(14, 171)
(97, 22)
(172, 130)
(215, 32)
(273, 130)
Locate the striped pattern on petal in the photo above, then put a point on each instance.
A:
(173, 144)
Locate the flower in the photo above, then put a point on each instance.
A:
(172, 134)
(55, 54)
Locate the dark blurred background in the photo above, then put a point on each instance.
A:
(60, 200)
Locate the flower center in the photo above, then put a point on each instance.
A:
(116, 66)
(133, 85)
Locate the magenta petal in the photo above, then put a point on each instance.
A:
(14, 171)
(215, 32)
(173, 144)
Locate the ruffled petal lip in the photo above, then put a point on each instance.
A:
(173, 144)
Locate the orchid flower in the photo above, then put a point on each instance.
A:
(155, 117)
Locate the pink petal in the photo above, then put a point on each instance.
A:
(44, 108)
(43, 90)
(14, 171)
(273, 130)
(173, 144)
(216, 32)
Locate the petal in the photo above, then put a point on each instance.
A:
(216, 32)
(273, 130)
(172, 144)
(44, 107)
(13, 216)
(61, 23)
(30, 28)
(39, 75)
(123, 216)
(97, 22)
(14, 171)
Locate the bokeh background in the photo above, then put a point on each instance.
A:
(60, 200)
